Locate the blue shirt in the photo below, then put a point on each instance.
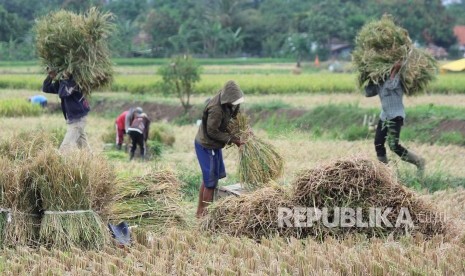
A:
(38, 99)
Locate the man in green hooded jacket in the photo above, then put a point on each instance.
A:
(212, 136)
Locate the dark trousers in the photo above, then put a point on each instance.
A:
(137, 139)
(389, 130)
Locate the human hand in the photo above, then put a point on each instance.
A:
(237, 142)
(52, 74)
(395, 68)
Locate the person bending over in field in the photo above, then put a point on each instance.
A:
(75, 108)
(123, 121)
(38, 99)
(139, 132)
(212, 136)
(392, 119)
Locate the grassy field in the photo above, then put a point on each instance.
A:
(254, 78)
(307, 129)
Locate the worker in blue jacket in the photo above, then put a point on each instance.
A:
(75, 108)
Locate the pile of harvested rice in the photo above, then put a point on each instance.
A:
(77, 44)
(259, 162)
(151, 200)
(363, 183)
(352, 183)
(68, 193)
(53, 199)
(379, 45)
(19, 195)
(254, 214)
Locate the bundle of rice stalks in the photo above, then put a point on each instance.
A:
(151, 200)
(379, 45)
(67, 195)
(77, 44)
(362, 183)
(253, 215)
(4, 212)
(259, 162)
(20, 198)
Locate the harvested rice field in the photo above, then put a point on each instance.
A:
(327, 158)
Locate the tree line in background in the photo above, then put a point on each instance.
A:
(232, 28)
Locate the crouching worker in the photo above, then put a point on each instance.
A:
(212, 136)
(123, 121)
(74, 106)
(139, 132)
(392, 117)
(38, 99)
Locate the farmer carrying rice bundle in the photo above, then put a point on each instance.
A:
(212, 136)
(391, 120)
(390, 66)
(73, 48)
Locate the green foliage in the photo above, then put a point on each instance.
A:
(454, 138)
(268, 105)
(179, 78)
(76, 44)
(11, 25)
(155, 148)
(162, 134)
(432, 182)
(264, 84)
(191, 180)
(345, 122)
(19, 108)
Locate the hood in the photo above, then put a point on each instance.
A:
(231, 92)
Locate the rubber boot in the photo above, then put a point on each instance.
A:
(416, 160)
(383, 159)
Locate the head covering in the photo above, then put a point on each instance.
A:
(143, 115)
(231, 93)
(239, 101)
(138, 110)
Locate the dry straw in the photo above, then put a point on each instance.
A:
(353, 182)
(20, 193)
(77, 44)
(150, 200)
(379, 45)
(361, 182)
(34, 176)
(259, 161)
(254, 215)
(69, 192)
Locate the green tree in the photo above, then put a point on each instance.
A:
(11, 25)
(179, 78)
(299, 45)
(160, 25)
(426, 20)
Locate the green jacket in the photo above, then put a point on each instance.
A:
(213, 133)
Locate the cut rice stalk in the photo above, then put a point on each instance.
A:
(259, 161)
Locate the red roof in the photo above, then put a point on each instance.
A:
(459, 32)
